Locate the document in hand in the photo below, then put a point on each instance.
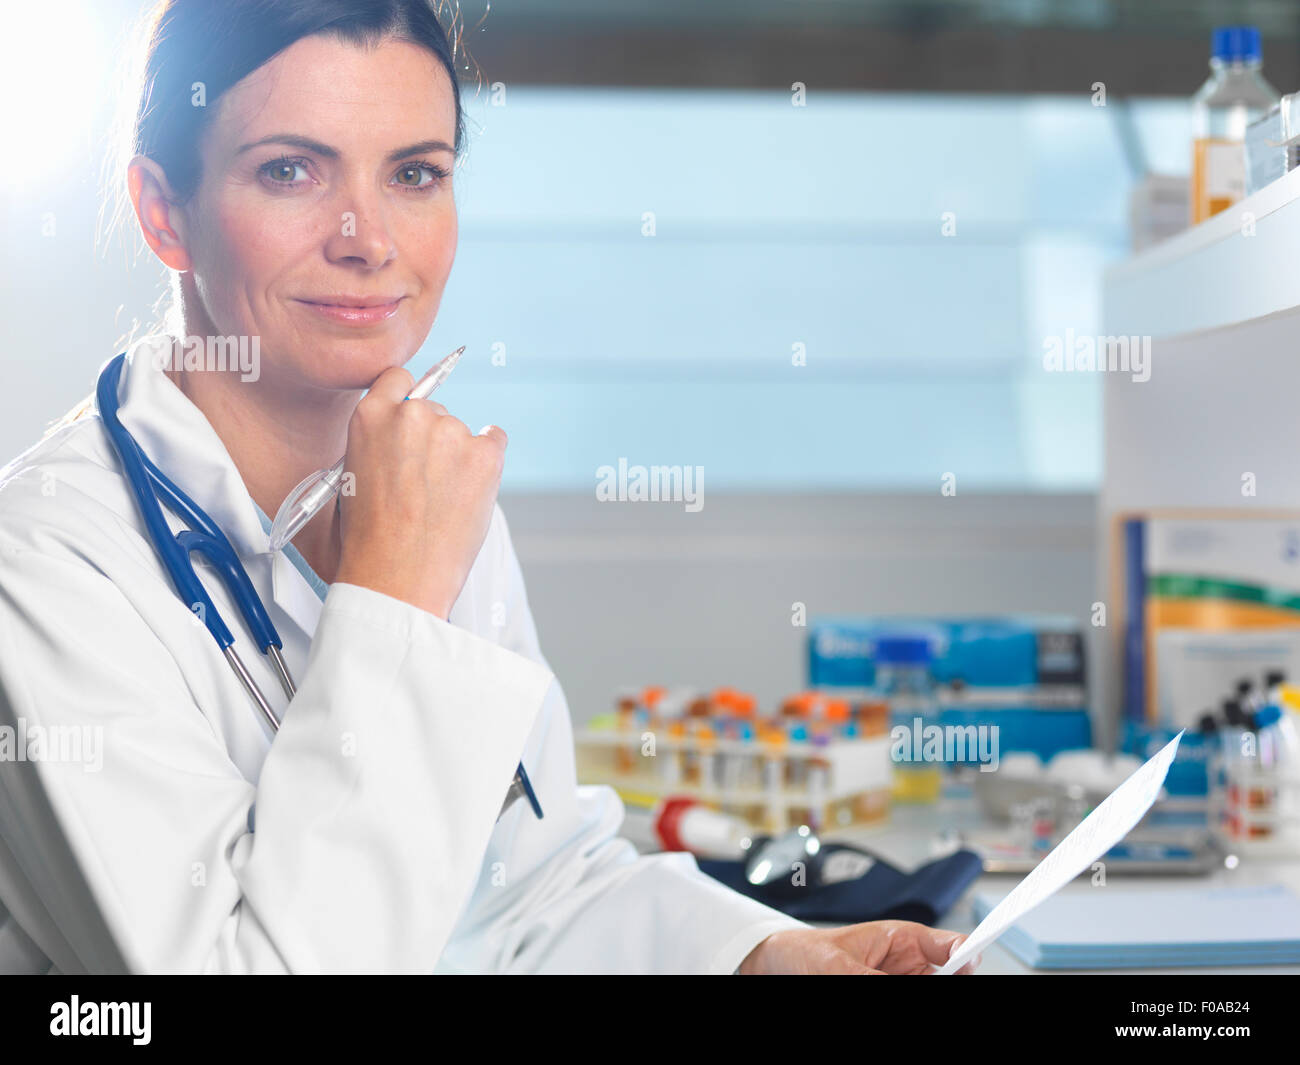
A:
(1109, 823)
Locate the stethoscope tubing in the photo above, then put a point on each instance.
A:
(205, 537)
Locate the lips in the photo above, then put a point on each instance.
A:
(353, 310)
(351, 301)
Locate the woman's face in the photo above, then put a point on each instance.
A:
(324, 222)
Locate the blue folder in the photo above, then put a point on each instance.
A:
(1113, 928)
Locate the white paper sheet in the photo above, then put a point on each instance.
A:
(1109, 823)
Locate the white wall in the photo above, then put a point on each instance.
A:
(776, 226)
(645, 593)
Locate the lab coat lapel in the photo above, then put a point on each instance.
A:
(295, 596)
(180, 440)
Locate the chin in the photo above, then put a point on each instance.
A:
(345, 363)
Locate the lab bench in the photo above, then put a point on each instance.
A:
(913, 836)
(910, 836)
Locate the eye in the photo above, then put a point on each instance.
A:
(284, 171)
(420, 175)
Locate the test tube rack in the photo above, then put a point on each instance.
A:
(827, 781)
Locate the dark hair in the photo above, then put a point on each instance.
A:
(220, 42)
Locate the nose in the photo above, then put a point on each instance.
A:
(362, 236)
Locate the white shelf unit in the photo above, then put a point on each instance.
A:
(1221, 304)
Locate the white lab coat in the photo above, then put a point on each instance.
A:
(375, 845)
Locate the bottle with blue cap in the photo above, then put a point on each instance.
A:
(905, 680)
(1279, 759)
(1235, 95)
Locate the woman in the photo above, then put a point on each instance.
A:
(293, 170)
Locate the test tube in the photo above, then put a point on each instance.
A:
(706, 759)
(730, 759)
(739, 710)
(774, 742)
(669, 724)
(697, 710)
(626, 709)
(819, 772)
(797, 766)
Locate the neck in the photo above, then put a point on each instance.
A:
(277, 432)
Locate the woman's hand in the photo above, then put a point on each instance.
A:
(425, 487)
(876, 948)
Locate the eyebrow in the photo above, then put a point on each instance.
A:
(308, 144)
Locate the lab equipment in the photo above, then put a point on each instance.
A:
(1023, 675)
(781, 864)
(1234, 96)
(203, 536)
(1273, 144)
(903, 678)
(775, 774)
(774, 868)
(1011, 651)
(1029, 807)
(317, 489)
(806, 877)
(1233, 773)
(1279, 722)
(627, 711)
(1193, 666)
(681, 823)
(824, 764)
(1069, 778)
(818, 881)
(1133, 857)
(1254, 797)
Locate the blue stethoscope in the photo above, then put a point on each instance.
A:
(204, 537)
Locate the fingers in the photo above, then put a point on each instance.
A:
(936, 944)
(954, 942)
(415, 529)
(495, 432)
(842, 963)
(390, 386)
(940, 945)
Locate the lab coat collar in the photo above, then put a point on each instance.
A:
(180, 440)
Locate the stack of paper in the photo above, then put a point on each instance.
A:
(1111, 928)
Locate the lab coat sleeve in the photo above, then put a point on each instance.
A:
(566, 894)
(372, 813)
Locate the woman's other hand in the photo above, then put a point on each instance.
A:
(876, 948)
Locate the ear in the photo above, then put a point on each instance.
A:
(161, 221)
